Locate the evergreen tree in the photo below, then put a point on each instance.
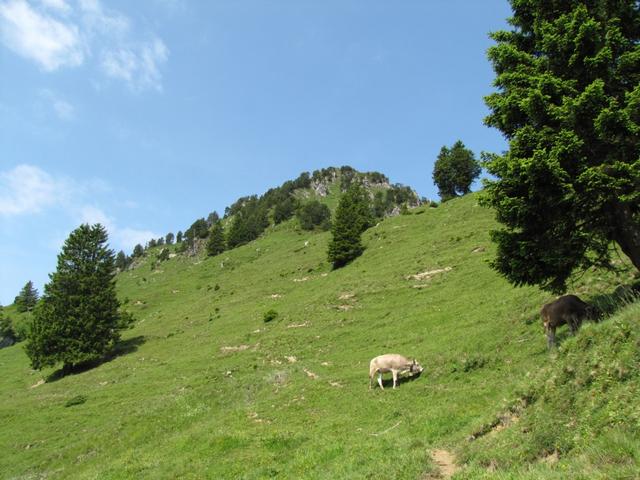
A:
(314, 214)
(163, 255)
(7, 334)
(284, 210)
(455, 170)
(568, 102)
(169, 238)
(138, 251)
(27, 298)
(121, 261)
(77, 319)
(216, 243)
(212, 218)
(353, 216)
(179, 237)
(248, 223)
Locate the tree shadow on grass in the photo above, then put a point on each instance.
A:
(123, 347)
(609, 303)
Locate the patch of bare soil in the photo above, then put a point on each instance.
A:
(446, 462)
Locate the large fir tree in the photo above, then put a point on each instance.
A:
(568, 102)
(77, 319)
(27, 298)
(353, 216)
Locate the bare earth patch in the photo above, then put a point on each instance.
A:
(446, 462)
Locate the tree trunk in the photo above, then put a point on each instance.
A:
(627, 233)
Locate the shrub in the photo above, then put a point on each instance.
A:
(269, 316)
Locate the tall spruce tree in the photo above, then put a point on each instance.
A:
(216, 243)
(568, 102)
(353, 216)
(77, 319)
(27, 298)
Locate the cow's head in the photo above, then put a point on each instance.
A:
(415, 367)
(594, 313)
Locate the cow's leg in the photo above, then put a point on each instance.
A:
(551, 337)
(380, 380)
(395, 377)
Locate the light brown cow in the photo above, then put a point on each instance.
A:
(394, 363)
(568, 309)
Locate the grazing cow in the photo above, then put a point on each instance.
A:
(394, 363)
(568, 309)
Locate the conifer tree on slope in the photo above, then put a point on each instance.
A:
(568, 102)
(353, 216)
(27, 298)
(216, 243)
(77, 319)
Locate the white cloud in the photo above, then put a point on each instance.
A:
(40, 37)
(27, 189)
(57, 33)
(63, 109)
(57, 5)
(90, 214)
(127, 238)
(97, 20)
(139, 66)
(121, 238)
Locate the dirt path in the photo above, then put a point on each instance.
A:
(446, 462)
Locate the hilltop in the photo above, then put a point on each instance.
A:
(203, 387)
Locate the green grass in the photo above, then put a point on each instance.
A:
(204, 388)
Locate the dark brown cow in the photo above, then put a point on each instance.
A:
(568, 309)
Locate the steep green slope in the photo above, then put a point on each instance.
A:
(203, 388)
(579, 416)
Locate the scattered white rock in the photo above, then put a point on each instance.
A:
(303, 279)
(291, 359)
(239, 348)
(38, 383)
(428, 274)
(310, 374)
(298, 325)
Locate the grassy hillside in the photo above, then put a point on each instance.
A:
(577, 418)
(204, 388)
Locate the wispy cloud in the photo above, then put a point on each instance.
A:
(122, 238)
(62, 108)
(139, 65)
(57, 34)
(40, 37)
(58, 5)
(26, 189)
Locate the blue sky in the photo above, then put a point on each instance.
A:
(147, 115)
